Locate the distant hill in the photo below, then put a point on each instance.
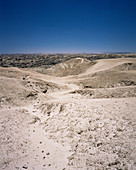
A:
(118, 52)
(48, 60)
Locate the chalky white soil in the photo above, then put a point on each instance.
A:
(45, 124)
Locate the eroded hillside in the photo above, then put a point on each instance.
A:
(77, 114)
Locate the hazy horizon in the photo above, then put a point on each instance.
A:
(93, 53)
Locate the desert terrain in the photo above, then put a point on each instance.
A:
(68, 112)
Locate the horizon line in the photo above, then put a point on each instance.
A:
(93, 53)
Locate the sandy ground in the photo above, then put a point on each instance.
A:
(66, 131)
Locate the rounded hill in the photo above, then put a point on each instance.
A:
(71, 67)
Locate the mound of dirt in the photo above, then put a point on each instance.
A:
(13, 72)
(72, 67)
(39, 85)
(108, 79)
(17, 87)
(12, 91)
(125, 66)
(107, 92)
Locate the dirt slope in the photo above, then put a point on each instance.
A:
(72, 67)
(80, 117)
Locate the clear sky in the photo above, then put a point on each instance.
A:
(49, 26)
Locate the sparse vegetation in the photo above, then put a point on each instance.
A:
(48, 60)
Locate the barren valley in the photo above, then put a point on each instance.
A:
(68, 112)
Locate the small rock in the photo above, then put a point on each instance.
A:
(25, 167)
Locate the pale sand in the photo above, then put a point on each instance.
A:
(62, 130)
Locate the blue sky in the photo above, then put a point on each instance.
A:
(49, 26)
